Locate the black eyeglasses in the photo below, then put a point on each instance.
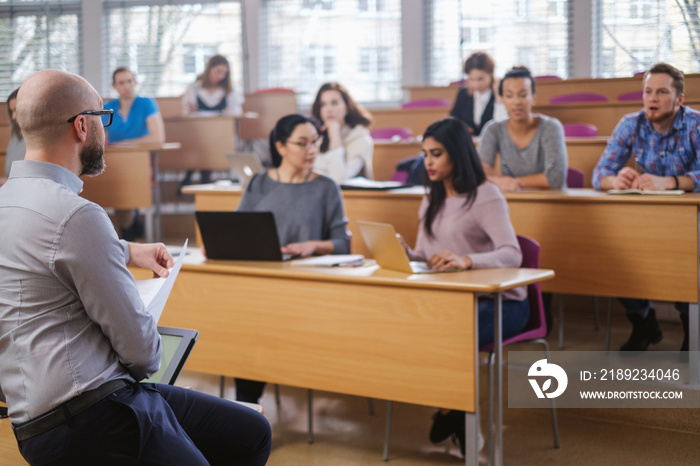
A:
(105, 116)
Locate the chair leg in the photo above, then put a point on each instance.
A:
(310, 438)
(492, 427)
(387, 430)
(370, 406)
(596, 317)
(277, 396)
(552, 407)
(607, 331)
(561, 322)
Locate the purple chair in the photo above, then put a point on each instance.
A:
(423, 103)
(578, 97)
(580, 130)
(534, 332)
(627, 96)
(574, 178)
(460, 83)
(393, 133)
(547, 77)
(400, 176)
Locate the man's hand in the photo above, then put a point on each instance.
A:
(647, 181)
(151, 256)
(446, 260)
(626, 178)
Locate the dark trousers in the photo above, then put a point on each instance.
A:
(642, 306)
(249, 391)
(514, 318)
(153, 424)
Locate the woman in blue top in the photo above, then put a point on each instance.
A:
(136, 119)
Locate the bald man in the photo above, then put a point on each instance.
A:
(75, 338)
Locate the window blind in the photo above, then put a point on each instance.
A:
(634, 34)
(35, 35)
(534, 33)
(305, 43)
(168, 43)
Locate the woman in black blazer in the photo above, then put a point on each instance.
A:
(476, 104)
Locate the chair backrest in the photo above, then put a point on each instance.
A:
(400, 176)
(627, 96)
(578, 97)
(461, 82)
(580, 130)
(547, 77)
(420, 103)
(393, 133)
(537, 325)
(574, 178)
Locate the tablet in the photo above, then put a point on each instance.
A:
(177, 345)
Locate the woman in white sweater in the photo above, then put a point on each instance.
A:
(347, 146)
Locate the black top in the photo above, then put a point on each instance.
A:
(464, 110)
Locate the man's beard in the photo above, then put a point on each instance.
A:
(92, 155)
(658, 117)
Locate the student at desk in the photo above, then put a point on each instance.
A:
(16, 147)
(346, 147)
(211, 94)
(664, 139)
(477, 104)
(136, 120)
(307, 206)
(465, 224)
(531, 146)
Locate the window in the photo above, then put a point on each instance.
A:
(42, 34)
(168, 45)
(332, 42)
(637, 33)
(513, 32)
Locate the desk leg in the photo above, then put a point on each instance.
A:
(498, 350)
(694, 343)
(471, 449)
(155, 192)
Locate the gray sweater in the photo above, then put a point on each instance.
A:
(307, 211)
(545, 153)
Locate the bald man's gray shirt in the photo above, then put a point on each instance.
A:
(71, 318)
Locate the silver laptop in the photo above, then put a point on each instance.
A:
(383, 243)
(244, 165)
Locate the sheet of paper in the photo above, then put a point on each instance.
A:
(155, 291)
(330, 260)
(657, 192)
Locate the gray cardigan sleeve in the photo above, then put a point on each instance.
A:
(336, 221)
(488, 145)
(555, 157)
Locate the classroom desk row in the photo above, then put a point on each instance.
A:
(598, 244)
(361, 331)
(583, 154)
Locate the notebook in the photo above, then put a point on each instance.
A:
(244, 236)
(177, 345)
(383, 243)
(244, 166)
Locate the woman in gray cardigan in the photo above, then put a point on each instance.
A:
(531, 146)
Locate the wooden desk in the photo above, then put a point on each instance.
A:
(598, 244)
(418, 119)
(583, 153)
(130, 181)
(360, 331)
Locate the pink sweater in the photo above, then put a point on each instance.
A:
(482, 231)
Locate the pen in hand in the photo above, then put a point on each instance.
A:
(510, 172)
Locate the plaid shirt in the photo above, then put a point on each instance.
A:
(673, 153)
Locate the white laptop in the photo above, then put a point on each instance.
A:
(244, 165)
(383, 243)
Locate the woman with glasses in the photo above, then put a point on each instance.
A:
(307, 206)
(15, 147)
(347, 147)
(531, 146)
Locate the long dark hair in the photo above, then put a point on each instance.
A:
(16, 131)
(356, 113)
(283, 129)
(467, 173)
